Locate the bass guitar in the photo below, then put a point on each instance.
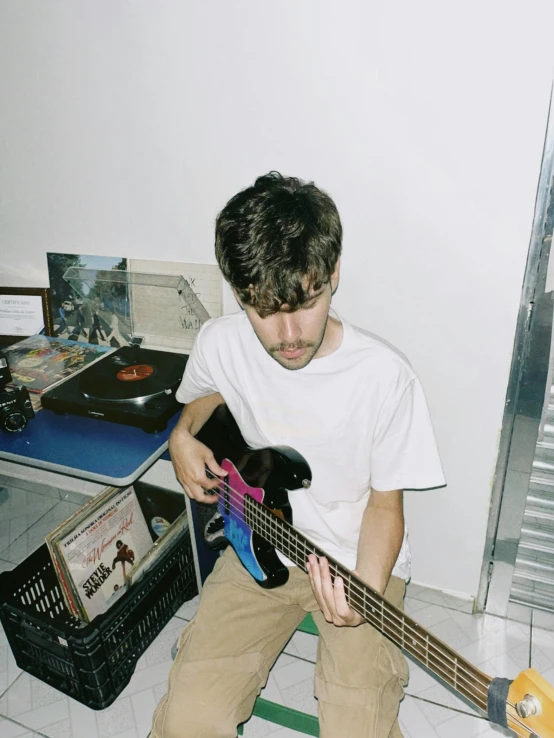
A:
(257, 520)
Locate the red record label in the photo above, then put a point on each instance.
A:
(135, 373)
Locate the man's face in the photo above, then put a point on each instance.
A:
(293, 339)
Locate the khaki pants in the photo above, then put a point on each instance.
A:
(227, 650)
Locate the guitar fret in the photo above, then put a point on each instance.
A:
(403, 637)
(427, 654)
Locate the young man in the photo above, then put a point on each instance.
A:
(292, 372)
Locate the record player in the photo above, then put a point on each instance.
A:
(133, 386)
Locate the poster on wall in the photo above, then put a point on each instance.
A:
(115, 301)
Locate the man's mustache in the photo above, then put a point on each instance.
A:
(291, 346)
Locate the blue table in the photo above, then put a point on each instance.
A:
(87, 448)
(99, 451)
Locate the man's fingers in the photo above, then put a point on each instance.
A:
(215, 468)
(208, 499)
(347, 615)
(213, 474)
(195, 465)
(327, 585)
(330, 595)
(200, 476)
(314, 572)
(197, 492)
(342, 606)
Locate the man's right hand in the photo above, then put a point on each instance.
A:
(191, 459)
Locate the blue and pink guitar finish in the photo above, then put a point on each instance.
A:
(265, 475)
(231, 506)
(242, 521)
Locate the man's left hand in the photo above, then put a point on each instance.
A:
(330, 595)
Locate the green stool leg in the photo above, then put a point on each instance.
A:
(286, 716)
(308, 625)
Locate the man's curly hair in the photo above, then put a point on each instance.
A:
(277, 242)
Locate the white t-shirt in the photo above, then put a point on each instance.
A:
(358, 416)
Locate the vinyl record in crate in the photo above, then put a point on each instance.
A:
(135, 375)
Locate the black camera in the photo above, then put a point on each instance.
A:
(15, 403)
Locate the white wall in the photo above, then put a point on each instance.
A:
(125, 126)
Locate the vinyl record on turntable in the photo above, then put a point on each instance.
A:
(131, 377)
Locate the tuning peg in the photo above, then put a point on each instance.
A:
(528, 706)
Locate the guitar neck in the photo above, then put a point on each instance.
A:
(387, 619)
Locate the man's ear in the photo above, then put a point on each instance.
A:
(335, 277)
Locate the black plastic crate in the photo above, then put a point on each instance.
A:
(91, 662)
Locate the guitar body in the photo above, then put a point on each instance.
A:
(264, 475)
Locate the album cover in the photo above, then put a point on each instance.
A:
(67, 592)
(97, 549)
(96, 310)
(42, 362)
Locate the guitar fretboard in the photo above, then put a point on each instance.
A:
(389, 620)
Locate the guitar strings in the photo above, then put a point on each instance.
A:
(472, 679)
(470, 684)
(529, 732)
(416, 649)
(456, 667)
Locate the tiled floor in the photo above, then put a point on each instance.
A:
(29, 708)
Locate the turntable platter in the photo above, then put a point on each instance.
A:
(122, 378)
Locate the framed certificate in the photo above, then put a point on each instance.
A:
(24, 311)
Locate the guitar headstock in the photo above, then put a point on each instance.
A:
(530, 706)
